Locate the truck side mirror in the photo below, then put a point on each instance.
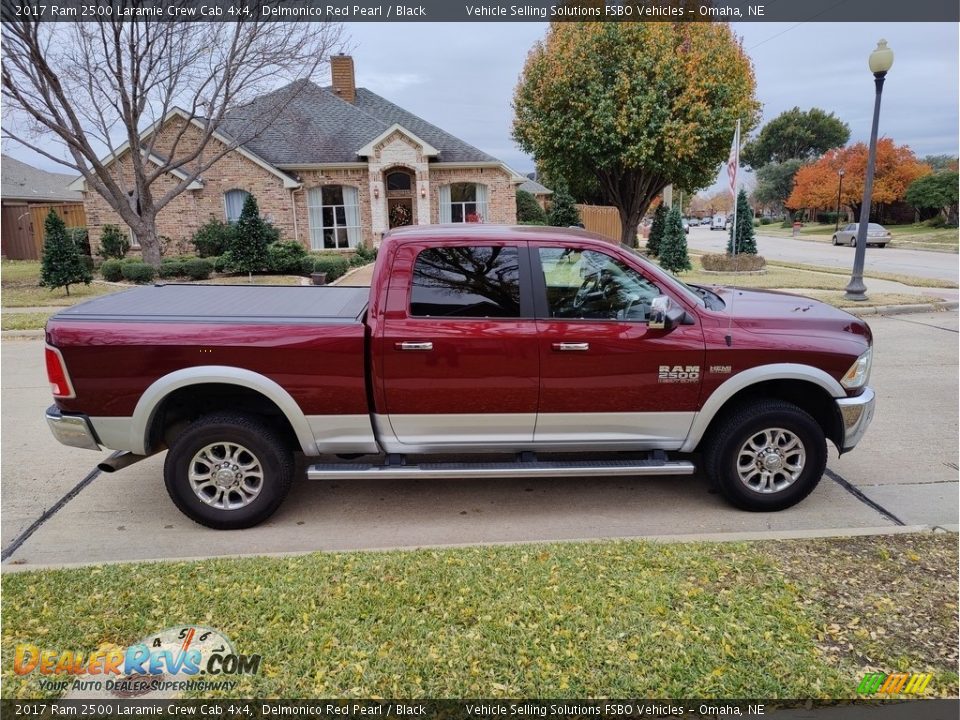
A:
(665, 314)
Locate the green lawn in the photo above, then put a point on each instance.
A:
(606, 619)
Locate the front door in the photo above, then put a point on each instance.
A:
(606, 378)
(459, 348)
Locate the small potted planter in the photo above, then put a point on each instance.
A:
(318, 278)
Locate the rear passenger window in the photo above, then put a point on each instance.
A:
(466, 282)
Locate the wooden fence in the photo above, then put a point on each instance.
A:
(602, 220)
(22, 227)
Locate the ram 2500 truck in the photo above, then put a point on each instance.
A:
(541, 351)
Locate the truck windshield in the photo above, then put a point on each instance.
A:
(681, 287)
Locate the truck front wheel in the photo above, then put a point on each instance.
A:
(766, 456)
(228, 471)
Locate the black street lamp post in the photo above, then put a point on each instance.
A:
(881, 60)
(839, 190)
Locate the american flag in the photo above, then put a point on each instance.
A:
(733, 162)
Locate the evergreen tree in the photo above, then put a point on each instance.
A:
(563, 213)
(655, 239)
(528, 209)
(673, 246)
(248, 251)
(746, 242)
(62, 264)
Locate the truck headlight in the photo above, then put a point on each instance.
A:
(859, 372)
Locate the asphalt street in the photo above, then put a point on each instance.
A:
(919, 263)
(904, 472)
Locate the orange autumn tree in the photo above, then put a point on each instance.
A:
(815, 185)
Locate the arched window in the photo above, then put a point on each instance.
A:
(233, 201)
(398, 180)
(334, 213)
(463, 202)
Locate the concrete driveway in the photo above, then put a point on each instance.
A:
(919, 263)
(904, 472)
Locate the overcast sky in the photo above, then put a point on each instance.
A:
(461, 77)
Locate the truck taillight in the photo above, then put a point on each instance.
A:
(60, 384)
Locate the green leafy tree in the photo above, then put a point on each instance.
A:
(633, 107)
(248, 252)
(62, 264)
(655, 239)
(775, 183)
(673, 247)
(563, 212)
(528, 209)
(796, 133)
(936, 191)
(746, 242)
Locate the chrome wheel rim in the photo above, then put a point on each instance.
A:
(771, 460)
(225, 475)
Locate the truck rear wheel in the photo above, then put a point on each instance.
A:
(228, 471)
(766, 455)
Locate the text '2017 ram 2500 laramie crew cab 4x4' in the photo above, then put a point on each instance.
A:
(546, 352)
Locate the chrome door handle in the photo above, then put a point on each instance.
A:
(571, 346)
(421, 346)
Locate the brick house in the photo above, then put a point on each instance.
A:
(339, 167)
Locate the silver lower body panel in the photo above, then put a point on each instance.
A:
(598, 468)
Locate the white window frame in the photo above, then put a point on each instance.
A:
(354, 238)
(477, 202)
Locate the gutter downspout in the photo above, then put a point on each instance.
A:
(293, 209)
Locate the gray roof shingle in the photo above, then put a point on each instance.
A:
(316, 126)
(535, 188)
(19, 181)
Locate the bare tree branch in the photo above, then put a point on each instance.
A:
(92, 89)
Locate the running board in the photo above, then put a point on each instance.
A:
(598, 468)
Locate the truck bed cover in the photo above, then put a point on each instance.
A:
(226, 303)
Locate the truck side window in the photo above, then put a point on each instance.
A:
(585, 284)
(466, 282)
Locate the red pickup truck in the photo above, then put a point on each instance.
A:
(541, 351)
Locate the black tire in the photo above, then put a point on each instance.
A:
(264, 488)
(749, 422)
(835, 240)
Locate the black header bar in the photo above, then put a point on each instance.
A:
(487, 10)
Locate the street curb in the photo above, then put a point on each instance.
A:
(759, 536)
(904, 309)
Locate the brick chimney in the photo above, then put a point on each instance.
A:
(341, 71)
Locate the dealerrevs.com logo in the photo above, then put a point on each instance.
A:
(178, 658)
(894, 683)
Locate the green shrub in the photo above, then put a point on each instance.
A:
(62, 264)
(728, 263)
(213, 238)
(198, 268)
(138, 272)
(333, 265)
(285, 258)
(656, 230)
(673, 245)
(131, 260)
(250, 240)
(306, 265)
(81, 238)
(170, 267)
(224, 263)
(113, 243)
(766, 221)
(529, 210)
(112, 270)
